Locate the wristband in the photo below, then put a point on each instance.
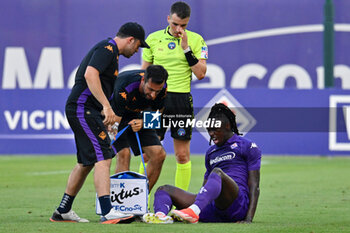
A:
(187, 50)
(191, 58)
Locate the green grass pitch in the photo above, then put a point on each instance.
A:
(298, 194)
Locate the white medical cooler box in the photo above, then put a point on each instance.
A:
(129, 193)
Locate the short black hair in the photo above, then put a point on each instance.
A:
(122, 35)
(220, 110)
(181, 9)
(157, 73)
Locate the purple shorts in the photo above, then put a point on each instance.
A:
(235, 212)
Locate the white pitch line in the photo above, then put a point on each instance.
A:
(265, 162)
(47, 173)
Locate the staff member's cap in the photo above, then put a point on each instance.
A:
(135, 30)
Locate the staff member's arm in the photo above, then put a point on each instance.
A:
(93, 81)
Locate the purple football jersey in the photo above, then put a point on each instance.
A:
(236, 157)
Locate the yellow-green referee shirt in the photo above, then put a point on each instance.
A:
(166, 50)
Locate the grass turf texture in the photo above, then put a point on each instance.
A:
(298, 194)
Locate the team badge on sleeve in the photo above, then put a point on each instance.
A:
(204, 52)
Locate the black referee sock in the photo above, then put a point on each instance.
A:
(105, 202)
(66, 203)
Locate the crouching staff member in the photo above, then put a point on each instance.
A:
(135, 91)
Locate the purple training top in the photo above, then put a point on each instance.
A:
(236, 157)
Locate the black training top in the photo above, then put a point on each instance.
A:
(104, 57)
(127, 100)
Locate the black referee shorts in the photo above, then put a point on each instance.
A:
(91, 138)
(178, 107)
(148, 137)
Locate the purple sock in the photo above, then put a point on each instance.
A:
(210, 191)
(162, 202)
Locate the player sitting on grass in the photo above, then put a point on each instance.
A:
(230, 189)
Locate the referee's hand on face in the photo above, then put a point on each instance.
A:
(136, 124)
(184, 41)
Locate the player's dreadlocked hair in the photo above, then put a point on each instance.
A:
(220, 109)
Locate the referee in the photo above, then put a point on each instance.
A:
(181, 52)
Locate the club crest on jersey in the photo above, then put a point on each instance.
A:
(171, 45)
(234, 145)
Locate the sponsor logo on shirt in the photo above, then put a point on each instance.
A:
(102, 135)
(171, 45)
(223, 157)
(109, 47)
(203, 190)
(123, 94)
(172, 39)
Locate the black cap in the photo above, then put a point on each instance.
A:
(135, 30)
